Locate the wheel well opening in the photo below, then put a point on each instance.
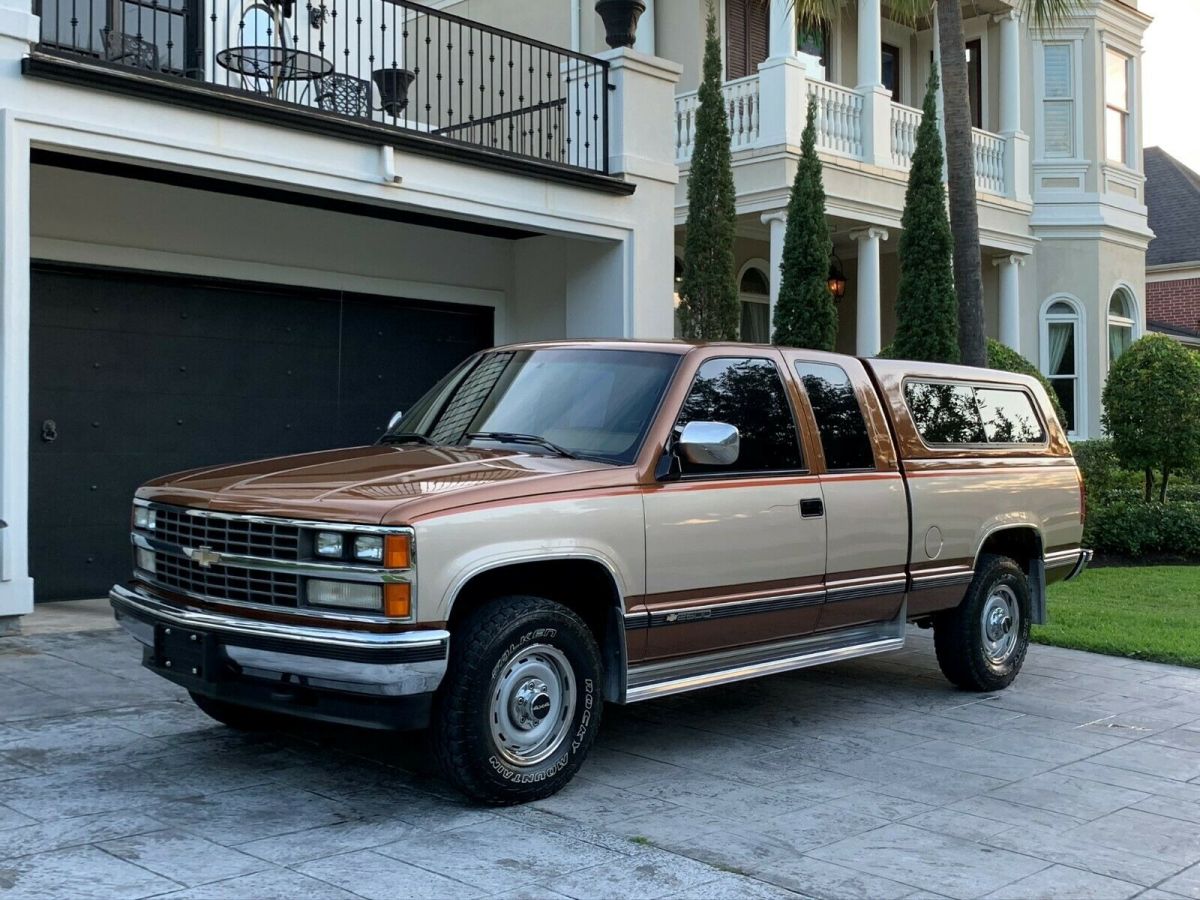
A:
(1022, 545)
(584, 586)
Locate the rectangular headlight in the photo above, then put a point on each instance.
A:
(369, 548)
(145, 560)
(345, 595)
(328, 543)
(144, 517)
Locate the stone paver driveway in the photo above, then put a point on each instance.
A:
(868, 779)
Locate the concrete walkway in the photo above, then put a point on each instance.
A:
(868, 779)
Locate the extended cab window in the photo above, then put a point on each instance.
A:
(748, 394)
(840, 421)
(1008, 417)
(964, 414)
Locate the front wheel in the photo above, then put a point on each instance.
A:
(520, 704)
(982, 643)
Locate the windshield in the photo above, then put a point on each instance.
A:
(592, 403)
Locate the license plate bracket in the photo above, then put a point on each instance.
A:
(184, 653)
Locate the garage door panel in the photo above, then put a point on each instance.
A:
(143, 376)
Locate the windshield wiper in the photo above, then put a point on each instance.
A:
(510, 437)
(406, 437)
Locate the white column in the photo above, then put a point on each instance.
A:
(1010, 299)
(16, 587)
(642, 150)
(869, 338)
(778, 222)
(1010, 71)
(644, 41)
(783, 28)
(1016, 142)
(870, 38)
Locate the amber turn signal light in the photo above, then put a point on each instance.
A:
(397, 600)
(397, 552)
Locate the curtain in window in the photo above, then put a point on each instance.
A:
(1060, 337)
(756, 322)
(1119, 339)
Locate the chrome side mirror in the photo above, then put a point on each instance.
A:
(709, 443)
(395, 420)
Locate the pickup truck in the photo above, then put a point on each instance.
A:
(557, 525)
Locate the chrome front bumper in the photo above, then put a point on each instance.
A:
(321, 659)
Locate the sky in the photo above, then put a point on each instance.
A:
(1171, 119)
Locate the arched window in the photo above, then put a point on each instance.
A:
(1122, 322)
(754, 291)
(1062, 357)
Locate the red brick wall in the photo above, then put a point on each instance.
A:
(1174, 302)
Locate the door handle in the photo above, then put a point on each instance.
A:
(812, 508)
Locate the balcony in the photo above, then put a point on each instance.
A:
(842, 129)
(388, 71)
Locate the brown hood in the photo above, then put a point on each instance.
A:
(391, 484)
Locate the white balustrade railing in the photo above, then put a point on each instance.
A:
(905, 122)
(741, 111)
(839, 128)
(989, 161)
(839, 118)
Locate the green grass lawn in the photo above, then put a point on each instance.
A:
(1142, 613)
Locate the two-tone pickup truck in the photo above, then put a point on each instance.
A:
(558, 525)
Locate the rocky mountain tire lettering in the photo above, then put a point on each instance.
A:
(586, 718)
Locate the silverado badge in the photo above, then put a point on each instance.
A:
(204, 556)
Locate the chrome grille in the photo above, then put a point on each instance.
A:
(227, 583)
(239, 537)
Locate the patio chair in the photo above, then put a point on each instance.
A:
(343, 94)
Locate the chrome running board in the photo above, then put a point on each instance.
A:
(646, 682)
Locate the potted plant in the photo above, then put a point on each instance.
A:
(392, 84)
(620, 20)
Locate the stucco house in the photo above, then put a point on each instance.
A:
(236, 229)
(1173, 259)
(1058, 159)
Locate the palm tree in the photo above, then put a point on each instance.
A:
(960, 154)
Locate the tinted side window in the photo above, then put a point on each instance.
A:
(945, 413)
(748, 394)
(839, 417)
(1008, 417)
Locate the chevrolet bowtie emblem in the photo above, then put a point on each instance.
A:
(204, 556)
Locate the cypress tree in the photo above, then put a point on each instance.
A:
(708, 308)
(926, 306)
(805, 314)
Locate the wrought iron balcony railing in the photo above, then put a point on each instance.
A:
(391, 62)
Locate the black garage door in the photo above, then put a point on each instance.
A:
(135, 376)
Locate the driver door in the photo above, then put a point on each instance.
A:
(735, 554)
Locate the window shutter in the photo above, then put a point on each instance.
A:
(758, 35)
(1058, 107)
(735, 38)
(1058, 71)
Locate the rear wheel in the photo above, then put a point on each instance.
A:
(520, 704)
(982, 643)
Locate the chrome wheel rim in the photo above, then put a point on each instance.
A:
(1001, 624)
(532, 705)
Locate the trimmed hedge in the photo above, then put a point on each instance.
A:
(1134, 528)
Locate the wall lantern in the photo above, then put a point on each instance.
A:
(837, 279)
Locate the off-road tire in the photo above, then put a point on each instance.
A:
(485, 649)
(241, 718)
(959, 635)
